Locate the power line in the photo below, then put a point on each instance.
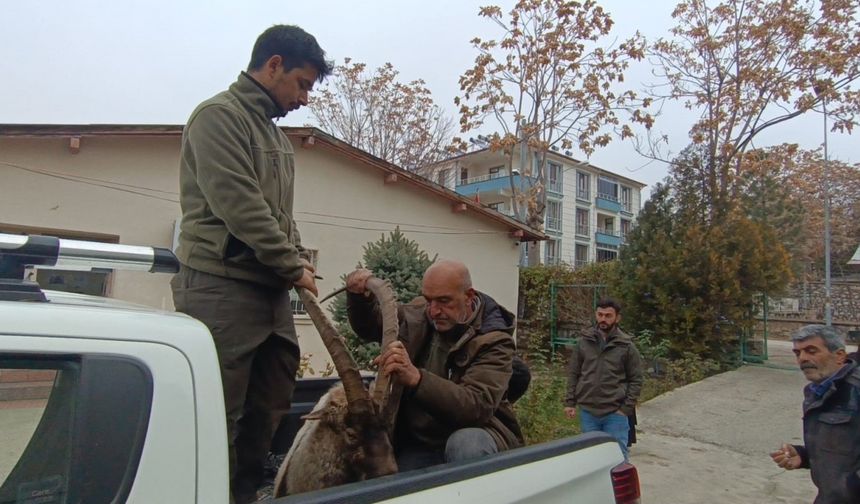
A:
(106, 184)
(86, 181)
(380, 221)
(416, 231)
(89, 181)
(81, 177)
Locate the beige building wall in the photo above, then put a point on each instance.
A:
(340, 205)
(52, 188)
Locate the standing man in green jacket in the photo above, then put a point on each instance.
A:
(605, 376)
(238, 244)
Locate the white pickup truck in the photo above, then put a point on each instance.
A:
(105, 401)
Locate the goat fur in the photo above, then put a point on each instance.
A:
(327, 451)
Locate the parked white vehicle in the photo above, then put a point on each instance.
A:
(104, 401)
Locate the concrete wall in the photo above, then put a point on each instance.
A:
(340, 205)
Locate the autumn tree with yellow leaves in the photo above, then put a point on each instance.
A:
(748, 65)
(552, 79)
(783, 186)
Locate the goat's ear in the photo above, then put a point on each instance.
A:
(313, 415)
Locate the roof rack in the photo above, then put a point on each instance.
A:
(18, 252)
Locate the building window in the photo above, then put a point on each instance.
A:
(553, 252)
(582, 222)
(607, 189)
(442, 177)
(627, 199)
(606, 225)
(554, 177)
(625, 228)
(581, 255)
(464, 175)
(295, 302)
(553, 215)
(583, 186)
(606, 255)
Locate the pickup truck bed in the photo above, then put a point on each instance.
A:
(135, 413)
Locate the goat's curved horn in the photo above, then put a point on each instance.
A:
(357, 397)
(387, 300)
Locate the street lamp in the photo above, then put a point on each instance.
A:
(828, 307)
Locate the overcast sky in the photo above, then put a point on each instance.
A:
(152, 61)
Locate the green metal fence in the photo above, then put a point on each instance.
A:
(572, 308)
(754, 337)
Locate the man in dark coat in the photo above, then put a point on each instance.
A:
(831, 417)
(605, 377)
(454, 359)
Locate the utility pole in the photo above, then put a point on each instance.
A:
(527, 249)
(828, 306)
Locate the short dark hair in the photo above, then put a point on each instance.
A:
(296, 46)
(610, 303)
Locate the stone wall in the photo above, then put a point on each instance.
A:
(806, 301)
(782, 328)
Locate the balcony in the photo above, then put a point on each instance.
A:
(580, 263)
(495, 183)
(582, 230)
(608, 237)
(553, 224)
(607, 202)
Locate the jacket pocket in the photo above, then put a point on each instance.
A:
(269, 167)
(836, 431)
(236, 250)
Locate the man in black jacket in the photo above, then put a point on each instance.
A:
(831, 417)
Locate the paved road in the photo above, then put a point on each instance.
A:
(709, 441)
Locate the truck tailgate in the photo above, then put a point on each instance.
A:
(575, 469)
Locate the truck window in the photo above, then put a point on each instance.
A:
(72, 427)
(28, 423)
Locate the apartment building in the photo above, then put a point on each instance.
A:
(589, 209)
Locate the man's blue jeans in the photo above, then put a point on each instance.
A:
(614, 424)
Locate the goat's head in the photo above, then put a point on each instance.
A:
(365, 439)
(369, 418)
(372, 454)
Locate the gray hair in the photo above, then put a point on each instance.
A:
(832, 339)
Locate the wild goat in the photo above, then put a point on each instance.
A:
(347, 436)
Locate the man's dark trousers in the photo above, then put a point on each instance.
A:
(255, 337)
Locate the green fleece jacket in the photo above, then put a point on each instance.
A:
(236, 189)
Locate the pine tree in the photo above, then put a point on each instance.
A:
(396, 259)
(689, 274)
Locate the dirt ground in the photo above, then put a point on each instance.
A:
(709, 441)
